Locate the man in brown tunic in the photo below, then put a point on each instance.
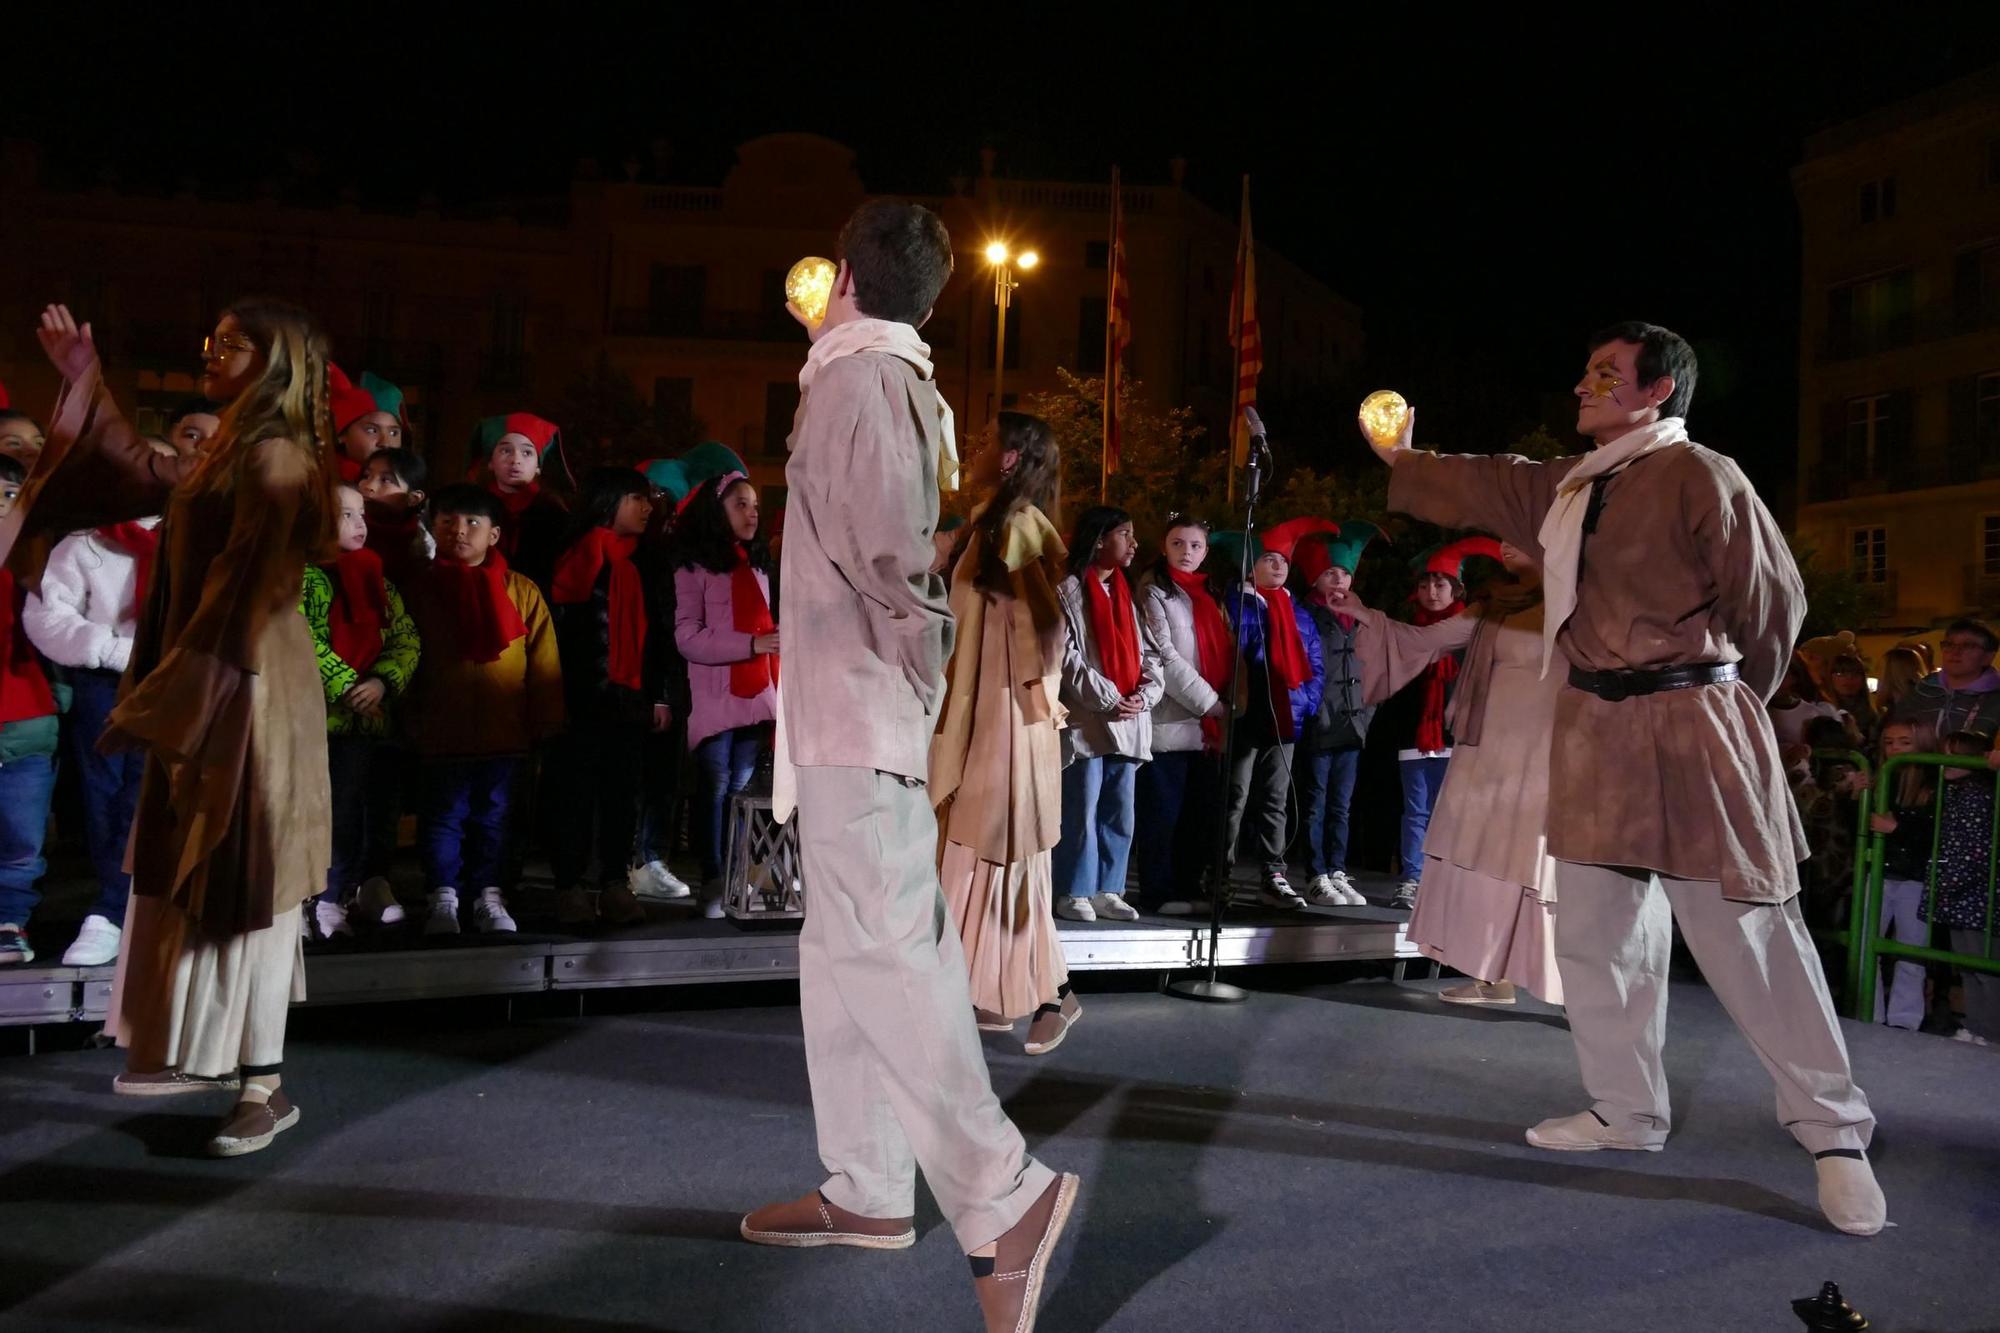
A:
(1675, 603)
(898, 1078)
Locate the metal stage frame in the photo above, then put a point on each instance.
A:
(685, 952)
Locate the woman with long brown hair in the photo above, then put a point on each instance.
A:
(222, 694)
(996, 764)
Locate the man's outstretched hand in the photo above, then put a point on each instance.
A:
(68, 347)
(1387, 452)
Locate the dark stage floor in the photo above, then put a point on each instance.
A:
(1332, 1157)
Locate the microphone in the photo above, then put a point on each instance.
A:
(1258, 443)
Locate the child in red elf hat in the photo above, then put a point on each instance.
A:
(360, 426)
(521, 452)
(488, 691)
(28, 737)
(367, 646)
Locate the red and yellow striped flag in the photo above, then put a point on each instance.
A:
(1117, 325)
(1244, 337)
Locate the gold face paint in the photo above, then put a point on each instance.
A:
(1606, 383)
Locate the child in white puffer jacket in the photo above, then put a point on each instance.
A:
(83, 620)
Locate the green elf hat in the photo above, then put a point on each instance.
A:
(539, 431)
(1321, 552)
(710, 459)
(667, 476)
(1449, 559)
(388, 398)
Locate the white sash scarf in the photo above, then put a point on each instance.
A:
(901, 341)
(1562, 529)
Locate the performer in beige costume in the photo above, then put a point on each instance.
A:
(898, 1078)
(1675, 602)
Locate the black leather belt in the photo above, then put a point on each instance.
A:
(1615, 685)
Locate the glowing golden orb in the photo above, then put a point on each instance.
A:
(809, 285)
(1384, 414)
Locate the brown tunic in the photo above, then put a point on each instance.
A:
(1686, 566)
(222, 690)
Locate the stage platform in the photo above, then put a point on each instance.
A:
(678, 947)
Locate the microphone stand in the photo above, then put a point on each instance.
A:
(1209, 989)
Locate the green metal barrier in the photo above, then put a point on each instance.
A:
(1866, 943)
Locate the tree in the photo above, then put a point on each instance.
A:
(605, 421)
(1833, 595)
(1160, 470)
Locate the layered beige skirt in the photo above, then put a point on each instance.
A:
(1486, 928)
(1006, 923)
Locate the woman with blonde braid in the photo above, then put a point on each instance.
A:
(996, 760)
(223, 696)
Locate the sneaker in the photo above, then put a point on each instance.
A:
(376, 903)
(654, 880)
(1586, 1131)
(96, 944)
(713, 909)
(1074, 909)
(1176, 907)
(1276, 891)
(489, 914)
(1406, 896)
(1113, 907)
(574, 909)
(1321, 893)
(1970, 1038)
(1342, 885)
(443, 918)
(330, 920)
(14, 946)
(617, 906)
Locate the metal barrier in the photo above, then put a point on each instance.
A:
(1866, 943)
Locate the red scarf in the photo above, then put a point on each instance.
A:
(576, 578)
(140, 542)
(1211, 637)
(1285, 655)
(1114, 628)
(397, 538)
(752, 615)
(360, 608)
(484, 616)
(24, 690)
(1435, 683)
(515, 504)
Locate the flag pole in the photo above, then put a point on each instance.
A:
(1110, 405)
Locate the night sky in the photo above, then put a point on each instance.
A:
(1489, 194)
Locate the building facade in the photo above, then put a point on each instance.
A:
(1899, 355)
(678, 289)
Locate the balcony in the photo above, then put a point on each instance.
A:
(1878, 600)
(716, 325)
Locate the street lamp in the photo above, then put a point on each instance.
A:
(1004, 263)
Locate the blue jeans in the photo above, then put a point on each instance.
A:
(26, 786)
(465, 821)
(1175, 825)
(1329, 791)
(110, 785)
(661, 757)
(1097, 807)
(727, 760)
(1422, 779)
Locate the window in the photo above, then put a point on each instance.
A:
(1869, 554)
(781, 404)
(1986, 415)
(675, 300)
(1090, 316)
(1878, 200)
(1989, 546)
(1975, 289)
(1097, 255)
(1868, 427)
(1872, 315)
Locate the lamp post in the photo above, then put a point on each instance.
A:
(1004, 263)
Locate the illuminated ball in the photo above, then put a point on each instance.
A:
(809, 285)
(1384, 413)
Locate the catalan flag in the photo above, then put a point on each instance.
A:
(1117, 326)
(1245, 338)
